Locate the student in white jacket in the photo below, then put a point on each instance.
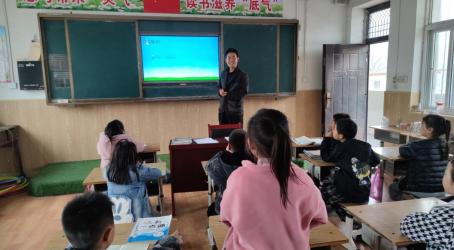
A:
(436, 228)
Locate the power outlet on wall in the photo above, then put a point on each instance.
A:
(400, 79)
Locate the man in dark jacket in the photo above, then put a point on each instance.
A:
(233, 87)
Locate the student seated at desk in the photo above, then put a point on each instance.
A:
(272, 204)
(336, 117)
(113, 133)
(427, 160)
(127, 177)
(350, 179)
(436, 227)
(88, 224)
(221, 165)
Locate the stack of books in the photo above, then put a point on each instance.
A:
(303, 140)
(313, 154)
(181, 141)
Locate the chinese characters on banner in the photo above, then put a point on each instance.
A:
(233, 7)
(268, 8)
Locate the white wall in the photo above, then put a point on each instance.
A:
(406, 38)
(325, 24)
(316, 29)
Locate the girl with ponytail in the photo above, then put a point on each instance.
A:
(426, 160)
(273, 184)
(113, 133)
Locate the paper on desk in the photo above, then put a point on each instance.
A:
(205, 141)
(129, 246)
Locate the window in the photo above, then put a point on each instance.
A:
(442, 10)
(438, 94)
(378, 23)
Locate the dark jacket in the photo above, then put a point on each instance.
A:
(236, 86)
(219, 168)
(354, 160)
(427, 161)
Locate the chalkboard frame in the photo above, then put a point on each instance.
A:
(137, 19)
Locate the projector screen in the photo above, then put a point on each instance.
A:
(180, 59)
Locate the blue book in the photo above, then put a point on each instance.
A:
(150, 229)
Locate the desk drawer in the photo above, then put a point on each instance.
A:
(396, 168)
(391, 137)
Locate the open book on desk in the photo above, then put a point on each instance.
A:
(313, 154)
(304, 140)
(150, 229)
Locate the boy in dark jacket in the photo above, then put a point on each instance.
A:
(350, 180)
(221, 165)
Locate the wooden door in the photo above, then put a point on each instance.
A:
(345, 84)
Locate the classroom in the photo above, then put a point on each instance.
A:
(228, 124)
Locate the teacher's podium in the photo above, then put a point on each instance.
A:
(185, 170)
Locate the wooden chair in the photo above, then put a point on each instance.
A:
(224, 130)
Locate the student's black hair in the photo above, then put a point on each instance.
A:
(231, 50)
(339, 116)
(440, 125)
(237, 141)
(86, 218)
(268, 131)
(114, 128)
(347, 127)
(124, 158)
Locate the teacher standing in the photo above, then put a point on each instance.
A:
(233, 87)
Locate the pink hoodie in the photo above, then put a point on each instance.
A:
(105, 147)
(252, 208)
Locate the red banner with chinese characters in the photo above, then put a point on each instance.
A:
(200, 7)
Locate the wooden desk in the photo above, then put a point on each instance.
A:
(327, 235)
(9, 137)
(392, 162)
(299, 148)
(384, 218)
(150, 152)
(320, 169)
(95, 176)
(122, 232)
(187, 175)
(316, 162)
(395, 135)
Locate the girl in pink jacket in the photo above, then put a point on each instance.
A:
(272, 204)
(113, 133)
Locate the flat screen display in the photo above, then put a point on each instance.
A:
(180, 59)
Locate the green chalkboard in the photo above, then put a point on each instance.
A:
(257, 46)
(98, 59)
(56, 59)
(104, 59)
(287, 60)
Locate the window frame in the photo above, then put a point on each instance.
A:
(429, 35)
(369, 11)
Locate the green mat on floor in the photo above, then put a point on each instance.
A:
(67, 177)
(61, 178)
